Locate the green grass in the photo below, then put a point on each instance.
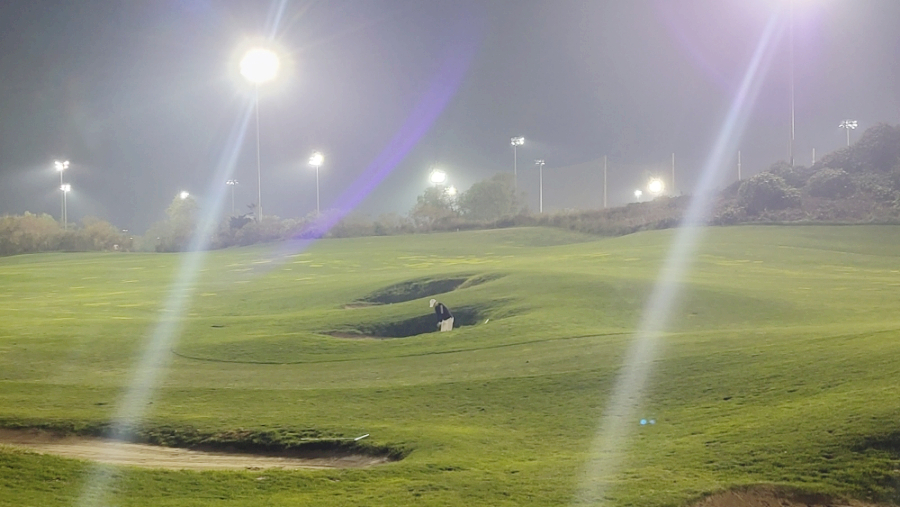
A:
(779, 365)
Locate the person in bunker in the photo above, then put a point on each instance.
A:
(444, 317)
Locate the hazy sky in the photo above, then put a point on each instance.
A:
(142, 96)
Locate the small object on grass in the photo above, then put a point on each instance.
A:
(360, 437)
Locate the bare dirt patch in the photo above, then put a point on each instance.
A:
(772, 496)
(151, 456)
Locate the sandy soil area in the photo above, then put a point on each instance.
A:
(151, 456)
(768, 496)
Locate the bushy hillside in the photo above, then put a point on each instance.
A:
(857, 184)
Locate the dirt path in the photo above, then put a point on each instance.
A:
(151, 456)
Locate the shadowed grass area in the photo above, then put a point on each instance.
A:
(779, 365)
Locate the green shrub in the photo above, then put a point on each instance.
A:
(878, 150)
(730, 215)
(795, 176)
(767, 192)
(878, 186)
(831, 184)
(895, 179)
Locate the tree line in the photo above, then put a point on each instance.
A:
(864, 176)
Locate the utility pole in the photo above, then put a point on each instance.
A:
(604, 181)
(673, 173)
(540, 164)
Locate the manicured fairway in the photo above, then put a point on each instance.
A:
(780, 365)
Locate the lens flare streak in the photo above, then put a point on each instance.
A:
(620, 418)
(154, 357)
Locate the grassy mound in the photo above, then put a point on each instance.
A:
(422, 288)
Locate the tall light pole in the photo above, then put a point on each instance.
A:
(673, 175)
(66, 188)
(232, 184)
(259, 66)
(604, 180)
(849, 125)
(540, 163)
(60, 167)
(316, 160)
(516, 142)
(791, 29)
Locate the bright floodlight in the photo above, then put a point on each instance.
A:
(517, 141)
(61, 166)
(66, 188)
(638, 193)
(316, 159)
(437, 176)
(184, 194)
(849, 125)
(451, 191)
(655, 186)
(260, 65)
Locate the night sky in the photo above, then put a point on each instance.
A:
(143, 96)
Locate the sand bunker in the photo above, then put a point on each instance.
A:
(769, 496)
(151, 456)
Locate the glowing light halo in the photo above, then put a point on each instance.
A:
(437, 177)
(316, 159)
(260, 65)
(620, 411)
(655, 186)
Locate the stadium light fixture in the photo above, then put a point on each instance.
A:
(849, 125)
(258, 66)
(437, 177)
(316, 160)
(516, 142)
(60, 167)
